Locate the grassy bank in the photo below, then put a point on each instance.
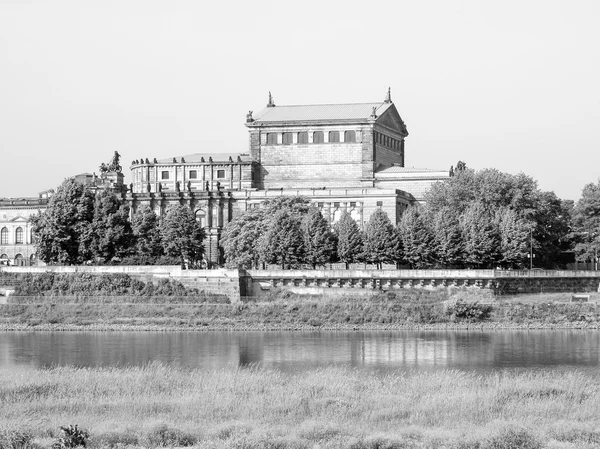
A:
(409, 310)
(327, 408)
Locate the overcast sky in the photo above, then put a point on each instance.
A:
(511, 84)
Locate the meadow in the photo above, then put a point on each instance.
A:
(160, 406)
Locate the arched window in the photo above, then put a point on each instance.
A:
(303, 137)
(19, 235)
(350, 136)
(337, 215)
(334, 136)
(33, 260)
(201, 217)
(19, 261)
(355, 214)
(318, 137)
(4, 236)
(271, 138)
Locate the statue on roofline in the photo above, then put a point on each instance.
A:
(113, 165)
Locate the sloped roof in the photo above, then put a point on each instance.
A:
(319, 112)
(197, 158)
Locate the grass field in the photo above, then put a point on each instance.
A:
(158, 406)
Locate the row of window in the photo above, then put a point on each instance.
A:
(317, 137)
(193, 174)
(388, 141)
(4, 236)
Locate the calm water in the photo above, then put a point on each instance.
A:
(291, 351)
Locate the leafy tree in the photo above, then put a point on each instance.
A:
(182, 236)
(57, 230)
(349, 240)
(319, 241)
(416, 238)
(514, 237)
(480, 236)
(240, 239)
(146, 232)
(586, 223)
(283, 242)
(446, 238)
(381, 241)
(112, 236)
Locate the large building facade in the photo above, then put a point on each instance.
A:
(343, 157)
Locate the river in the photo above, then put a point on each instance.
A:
(480, 351)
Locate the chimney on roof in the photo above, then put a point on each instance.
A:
(388, 97)
(270, 104)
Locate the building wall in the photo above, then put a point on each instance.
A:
(13, 217)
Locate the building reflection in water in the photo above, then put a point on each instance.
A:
(292, 351)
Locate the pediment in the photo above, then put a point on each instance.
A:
(391, 119)
(19, 218)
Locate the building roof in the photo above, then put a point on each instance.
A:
(197, 158)
(398, 169)
(319, 113)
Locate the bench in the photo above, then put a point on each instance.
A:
(580, 298)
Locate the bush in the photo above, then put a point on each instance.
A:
(73, 437)
(461, 310)
(117, 439)
(512, 438)
(165, 436)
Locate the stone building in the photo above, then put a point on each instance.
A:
(344, 157)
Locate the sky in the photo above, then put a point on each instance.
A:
(512, 85)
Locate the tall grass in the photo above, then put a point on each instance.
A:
(328, 408)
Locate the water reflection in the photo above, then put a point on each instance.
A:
(291, 351)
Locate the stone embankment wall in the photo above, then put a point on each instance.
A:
(243, 285)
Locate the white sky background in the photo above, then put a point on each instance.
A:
(513, 84)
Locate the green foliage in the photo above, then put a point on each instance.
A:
(447, 243)
(145, 226)
(165, 436)
(182, 236)
(240, 239)
(283, 242)
(72, 437)
(416, 238)
(586, 223)
(479, 235)
(16, 439)
(58, 230)
(349, 240)
(514, 235)
(319, 241)
(513, 438)
(381, 244)
(461, 310)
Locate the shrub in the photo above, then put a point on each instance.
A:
(512, 438)
(117, 439)
(73, 437)
(460, 310)
(165, 436)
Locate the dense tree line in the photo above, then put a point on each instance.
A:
(81, 226)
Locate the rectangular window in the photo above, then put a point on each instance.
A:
(220, 174)
(193, 174)
(303, 137)
(287, 138)
(336, 204)
(379, 203)
(334, 136)
(271, 138)
(164, 175)
(350, 136)
(352, 203)
(318, 137)
(320, 204)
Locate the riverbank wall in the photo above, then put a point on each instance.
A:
(244, 285)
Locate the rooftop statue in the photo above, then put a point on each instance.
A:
(113, 165)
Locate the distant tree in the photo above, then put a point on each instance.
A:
(182, 236)
(446, 238)
(416, 238)
(349, 240)
(283, 242)
(586, 223)
(241, 237)
(480, 237)
(514, 235)
(381, 241)
(146, 232)
(57, 230)
(319, 240)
